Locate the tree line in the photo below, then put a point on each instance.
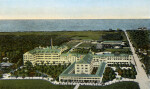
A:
(140, 38)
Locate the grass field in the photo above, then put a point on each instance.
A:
(95, 35)
(71, 44)
(85, 45)
(30, 84)
(41, 84)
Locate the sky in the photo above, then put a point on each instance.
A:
(74, 9)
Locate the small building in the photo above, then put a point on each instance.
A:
(112, 42)
(142, 28)
(94, 42)
(5, 64)
(5, 58)
(117, 47)
(99, 46)
(99, 53)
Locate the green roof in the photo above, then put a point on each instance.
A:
(64, 54)
(71, 67)
(101, 69)
(45, 50)
(63, 46)
(86, 60)
(77, 54)
(99, 72)
(72, 54)
(108, 55)
(112, 41)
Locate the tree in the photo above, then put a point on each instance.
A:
(103, 80)
(16, 76)
(120, 72)
(110, 76)
(42, 62)
(124, 71)
(118, 29)
(31, 74)
(47, 63)
(132, 76)
(128, 72)
(28, 65)
(23, 76)
(1, 75)
(15, 73)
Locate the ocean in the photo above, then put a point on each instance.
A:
(72, 24)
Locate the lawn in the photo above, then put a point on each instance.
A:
(42, 84)
(85, 45)
(120, 85)
(70, 44)
(30, 84)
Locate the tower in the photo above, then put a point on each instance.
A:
(51, 43)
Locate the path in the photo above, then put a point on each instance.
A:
(141, 77)
(75, 46)
(77, 86)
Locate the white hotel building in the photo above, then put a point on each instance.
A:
(80, 71)
(81, 65)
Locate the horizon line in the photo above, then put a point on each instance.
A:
(65, 18)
